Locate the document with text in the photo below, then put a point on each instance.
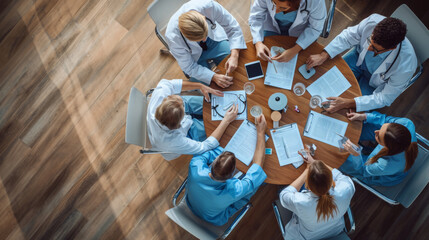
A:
(331, 84)
(280, 74)
(287, 141)
(243, 143)
(220, 105)
(323, 128)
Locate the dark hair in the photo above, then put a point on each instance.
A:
(294, 3)
(389, 32)
(223, 166)
(398, 139)
(319, 181)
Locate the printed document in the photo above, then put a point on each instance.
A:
(243, 143)
(288, 142)
(283, 77)
(331, 84)
(220, 105)
(323, 128)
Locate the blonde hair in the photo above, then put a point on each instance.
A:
(193, 26)
(170, 113)
(319, 181)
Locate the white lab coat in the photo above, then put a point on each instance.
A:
(226, 28)
(387, 86)
(307, 27)
(304, 224)
(174, 141)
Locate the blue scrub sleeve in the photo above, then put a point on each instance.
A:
(254, 177)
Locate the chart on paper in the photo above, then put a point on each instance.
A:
(280, 74)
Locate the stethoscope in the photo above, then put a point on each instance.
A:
(213, 27)
(391, 65)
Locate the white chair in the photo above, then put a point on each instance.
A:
(410, 188)
(136, 132)
(330, 7)
(201, 229)
(283, 216)
(417, 33)
(161, 11)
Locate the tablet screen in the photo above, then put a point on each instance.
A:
(254, 70)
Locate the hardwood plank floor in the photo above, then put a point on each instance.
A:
(66, 68)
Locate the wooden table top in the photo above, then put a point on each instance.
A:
(329, 154)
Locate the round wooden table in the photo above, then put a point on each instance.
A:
(329, 154)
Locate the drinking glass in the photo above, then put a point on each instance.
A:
(316, 101)
(299, 89)
(256, 111)
(249, 88)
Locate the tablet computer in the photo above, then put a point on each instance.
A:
(254, 70)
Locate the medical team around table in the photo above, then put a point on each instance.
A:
(383, 60)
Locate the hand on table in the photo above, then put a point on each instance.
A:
(231, 64)
(288, 54)
(316, 60)
(338, 103)
(222, 81)
(263, 52)
(354, 116)
(205, 90)
(231, 114)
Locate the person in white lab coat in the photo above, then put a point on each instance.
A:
(297, 18)
(383, 60)
(202, 31)
(317, 212)
(170, 125)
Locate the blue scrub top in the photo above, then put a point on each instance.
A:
(285, 21)
(214, 201)
(388, 170)
(371, 62)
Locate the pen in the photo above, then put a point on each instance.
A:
(275, 69)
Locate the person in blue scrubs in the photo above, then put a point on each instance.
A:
(212, 193)
(390, 160)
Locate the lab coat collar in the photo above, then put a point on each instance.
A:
(299, 16)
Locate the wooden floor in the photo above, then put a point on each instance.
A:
(66, 68)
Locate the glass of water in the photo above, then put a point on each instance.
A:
(299, 89)
(316, 101)
(256, 111)
(249, 88)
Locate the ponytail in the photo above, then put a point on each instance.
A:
(326, 207)
(411, 155)
(397, 139)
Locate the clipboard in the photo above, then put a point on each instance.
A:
(287, 142)
(324, 128)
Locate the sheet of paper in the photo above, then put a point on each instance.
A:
(288, 142)
(331, 84)
(323, 128)
(224, 103)
(283, 78)
(243, 143)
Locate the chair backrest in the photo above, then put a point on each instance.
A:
(201, 229)
(136, 128)
(161, 11)
(417, 32)
(330, 8)
(415, 182)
